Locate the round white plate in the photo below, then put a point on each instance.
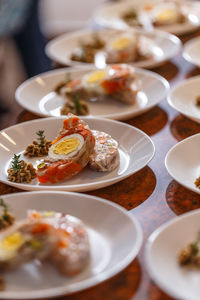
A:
(109, 15)
(183, 98)
(161, 252)
(112, 249)
(37, 95)
(165, 46)
(183, 162)
(135, 148)
(191, 51)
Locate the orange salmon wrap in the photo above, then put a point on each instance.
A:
(63, 163)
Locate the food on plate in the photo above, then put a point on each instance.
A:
(72, 251)
(69, 153)
(73, 104)
(20, 171)
(131, 17)
(106, 155)
(120, 47)
(189, 256)
(116, 81)
(198, 101)
(86, 51)
(197, 182)
(165, 12)
(38, 148)
(6, 218)
(75, 147)
(48, 236)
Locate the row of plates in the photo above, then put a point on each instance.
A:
(111, 248)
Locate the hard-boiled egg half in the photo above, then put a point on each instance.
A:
(165, 13)
(10, 244)
(122, 48)
(92, 81)
(66, 147)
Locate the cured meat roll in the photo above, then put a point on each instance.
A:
(106, 155)
(71, 253)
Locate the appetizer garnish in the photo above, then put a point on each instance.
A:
(20, 171)
(117, 81)
(75, 106)
(131, 17)
(73, 103)
(190, 255)
(197, 182)
(58, 238)
(198, 101)
(6, 219)
(38, 148)
(87, 50)
(69, 153)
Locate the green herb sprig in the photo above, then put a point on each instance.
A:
(5, 214)
(41, 138)
(16, 163)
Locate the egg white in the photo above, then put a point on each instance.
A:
(56, 156)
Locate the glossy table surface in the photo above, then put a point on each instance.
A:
(151, 195)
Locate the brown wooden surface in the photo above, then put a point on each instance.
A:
(151, 195)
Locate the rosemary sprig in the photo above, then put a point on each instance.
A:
(76, 101)
(16, 163)
(41, 138)
(195, 246)
(5, 215)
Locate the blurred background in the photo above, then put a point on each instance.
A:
(22, 41)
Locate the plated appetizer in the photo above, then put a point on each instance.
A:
(75, 147)
(174, 16)
(115, 81)
(121, 47)
(48, 236)
(189, 256)
(159, 13)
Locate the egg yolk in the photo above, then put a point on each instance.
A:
(121, 43)
(167, 14)
(96, 76)
(12, 242)
(66, 146)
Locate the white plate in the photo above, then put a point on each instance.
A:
(183, 98)
(36, 95)
(135, 148)
(109, 15)
(165, 46)
(161, 252)
(183, 162)
(112, 249)
(191, 51)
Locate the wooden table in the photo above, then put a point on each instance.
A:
(151, 194)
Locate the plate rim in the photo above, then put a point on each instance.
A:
(116, 116)
(123, 264)
(167, 158)
(186, 47)
(83, 187)
(146, 64)
(147, 250)
(174, 89)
